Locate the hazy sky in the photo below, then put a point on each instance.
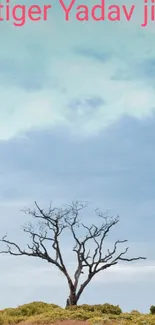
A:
(77, 121)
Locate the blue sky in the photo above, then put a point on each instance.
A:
(77, 121)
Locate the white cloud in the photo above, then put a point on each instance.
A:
(24, 110)
(128, 274)
(65, 75)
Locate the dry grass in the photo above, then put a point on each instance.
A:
(74, 322)
(39, 313)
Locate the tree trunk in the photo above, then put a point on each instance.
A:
(72, 299)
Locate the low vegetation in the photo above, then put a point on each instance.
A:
(39, 313)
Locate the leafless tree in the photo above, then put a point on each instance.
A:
(90, 255)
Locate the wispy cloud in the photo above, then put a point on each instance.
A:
(95, 54)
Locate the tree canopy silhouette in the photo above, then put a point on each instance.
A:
(90, 256)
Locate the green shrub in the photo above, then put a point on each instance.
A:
(86, 307)
(152, 310)
(34, 308)
(127, 316)
(103, 309)
(38, 313)
(135, 312)
(15, 320)
(2, 320)
(113, 317)
(47, 318)
(80, 315)
(108, 309)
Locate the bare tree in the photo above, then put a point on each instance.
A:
(90, 255)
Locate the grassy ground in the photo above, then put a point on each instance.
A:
(39, 313)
